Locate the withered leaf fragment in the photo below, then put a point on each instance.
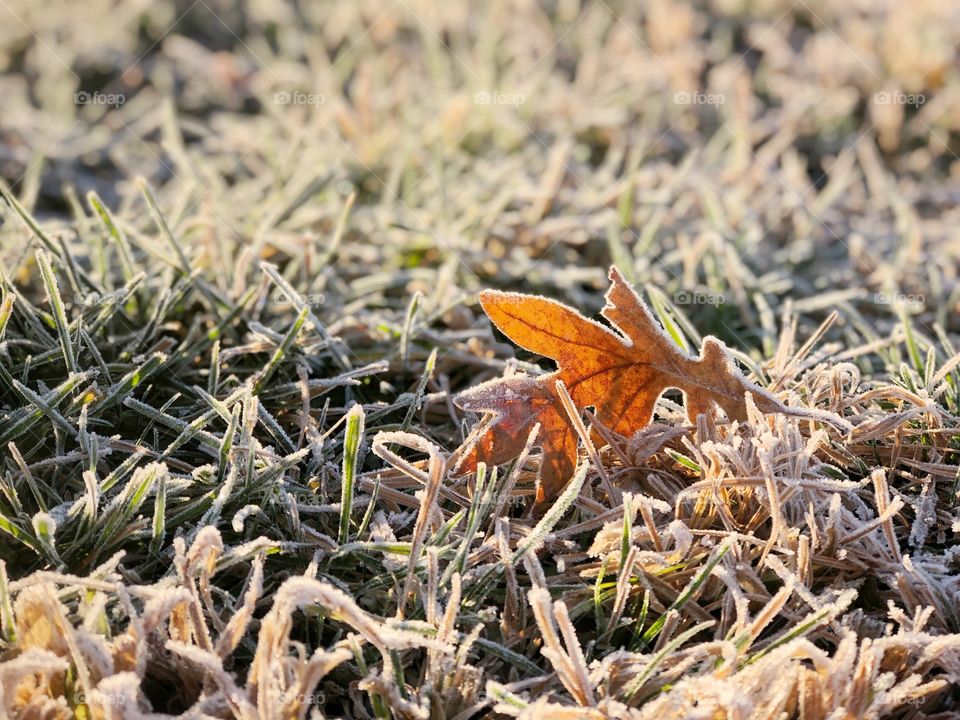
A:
(620, 374)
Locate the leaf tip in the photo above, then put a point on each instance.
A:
(491, 298)
(615, 275)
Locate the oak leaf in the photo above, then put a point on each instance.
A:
(620, 372)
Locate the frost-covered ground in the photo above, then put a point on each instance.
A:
(239, 254)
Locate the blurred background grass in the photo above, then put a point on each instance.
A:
(802, 149)
(748, 164)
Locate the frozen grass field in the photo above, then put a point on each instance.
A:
(240, 251)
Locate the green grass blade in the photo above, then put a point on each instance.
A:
(59, 312)
(351, 450)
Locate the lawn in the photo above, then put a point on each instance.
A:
(245, 259)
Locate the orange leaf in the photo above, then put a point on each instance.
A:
(620, 374)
